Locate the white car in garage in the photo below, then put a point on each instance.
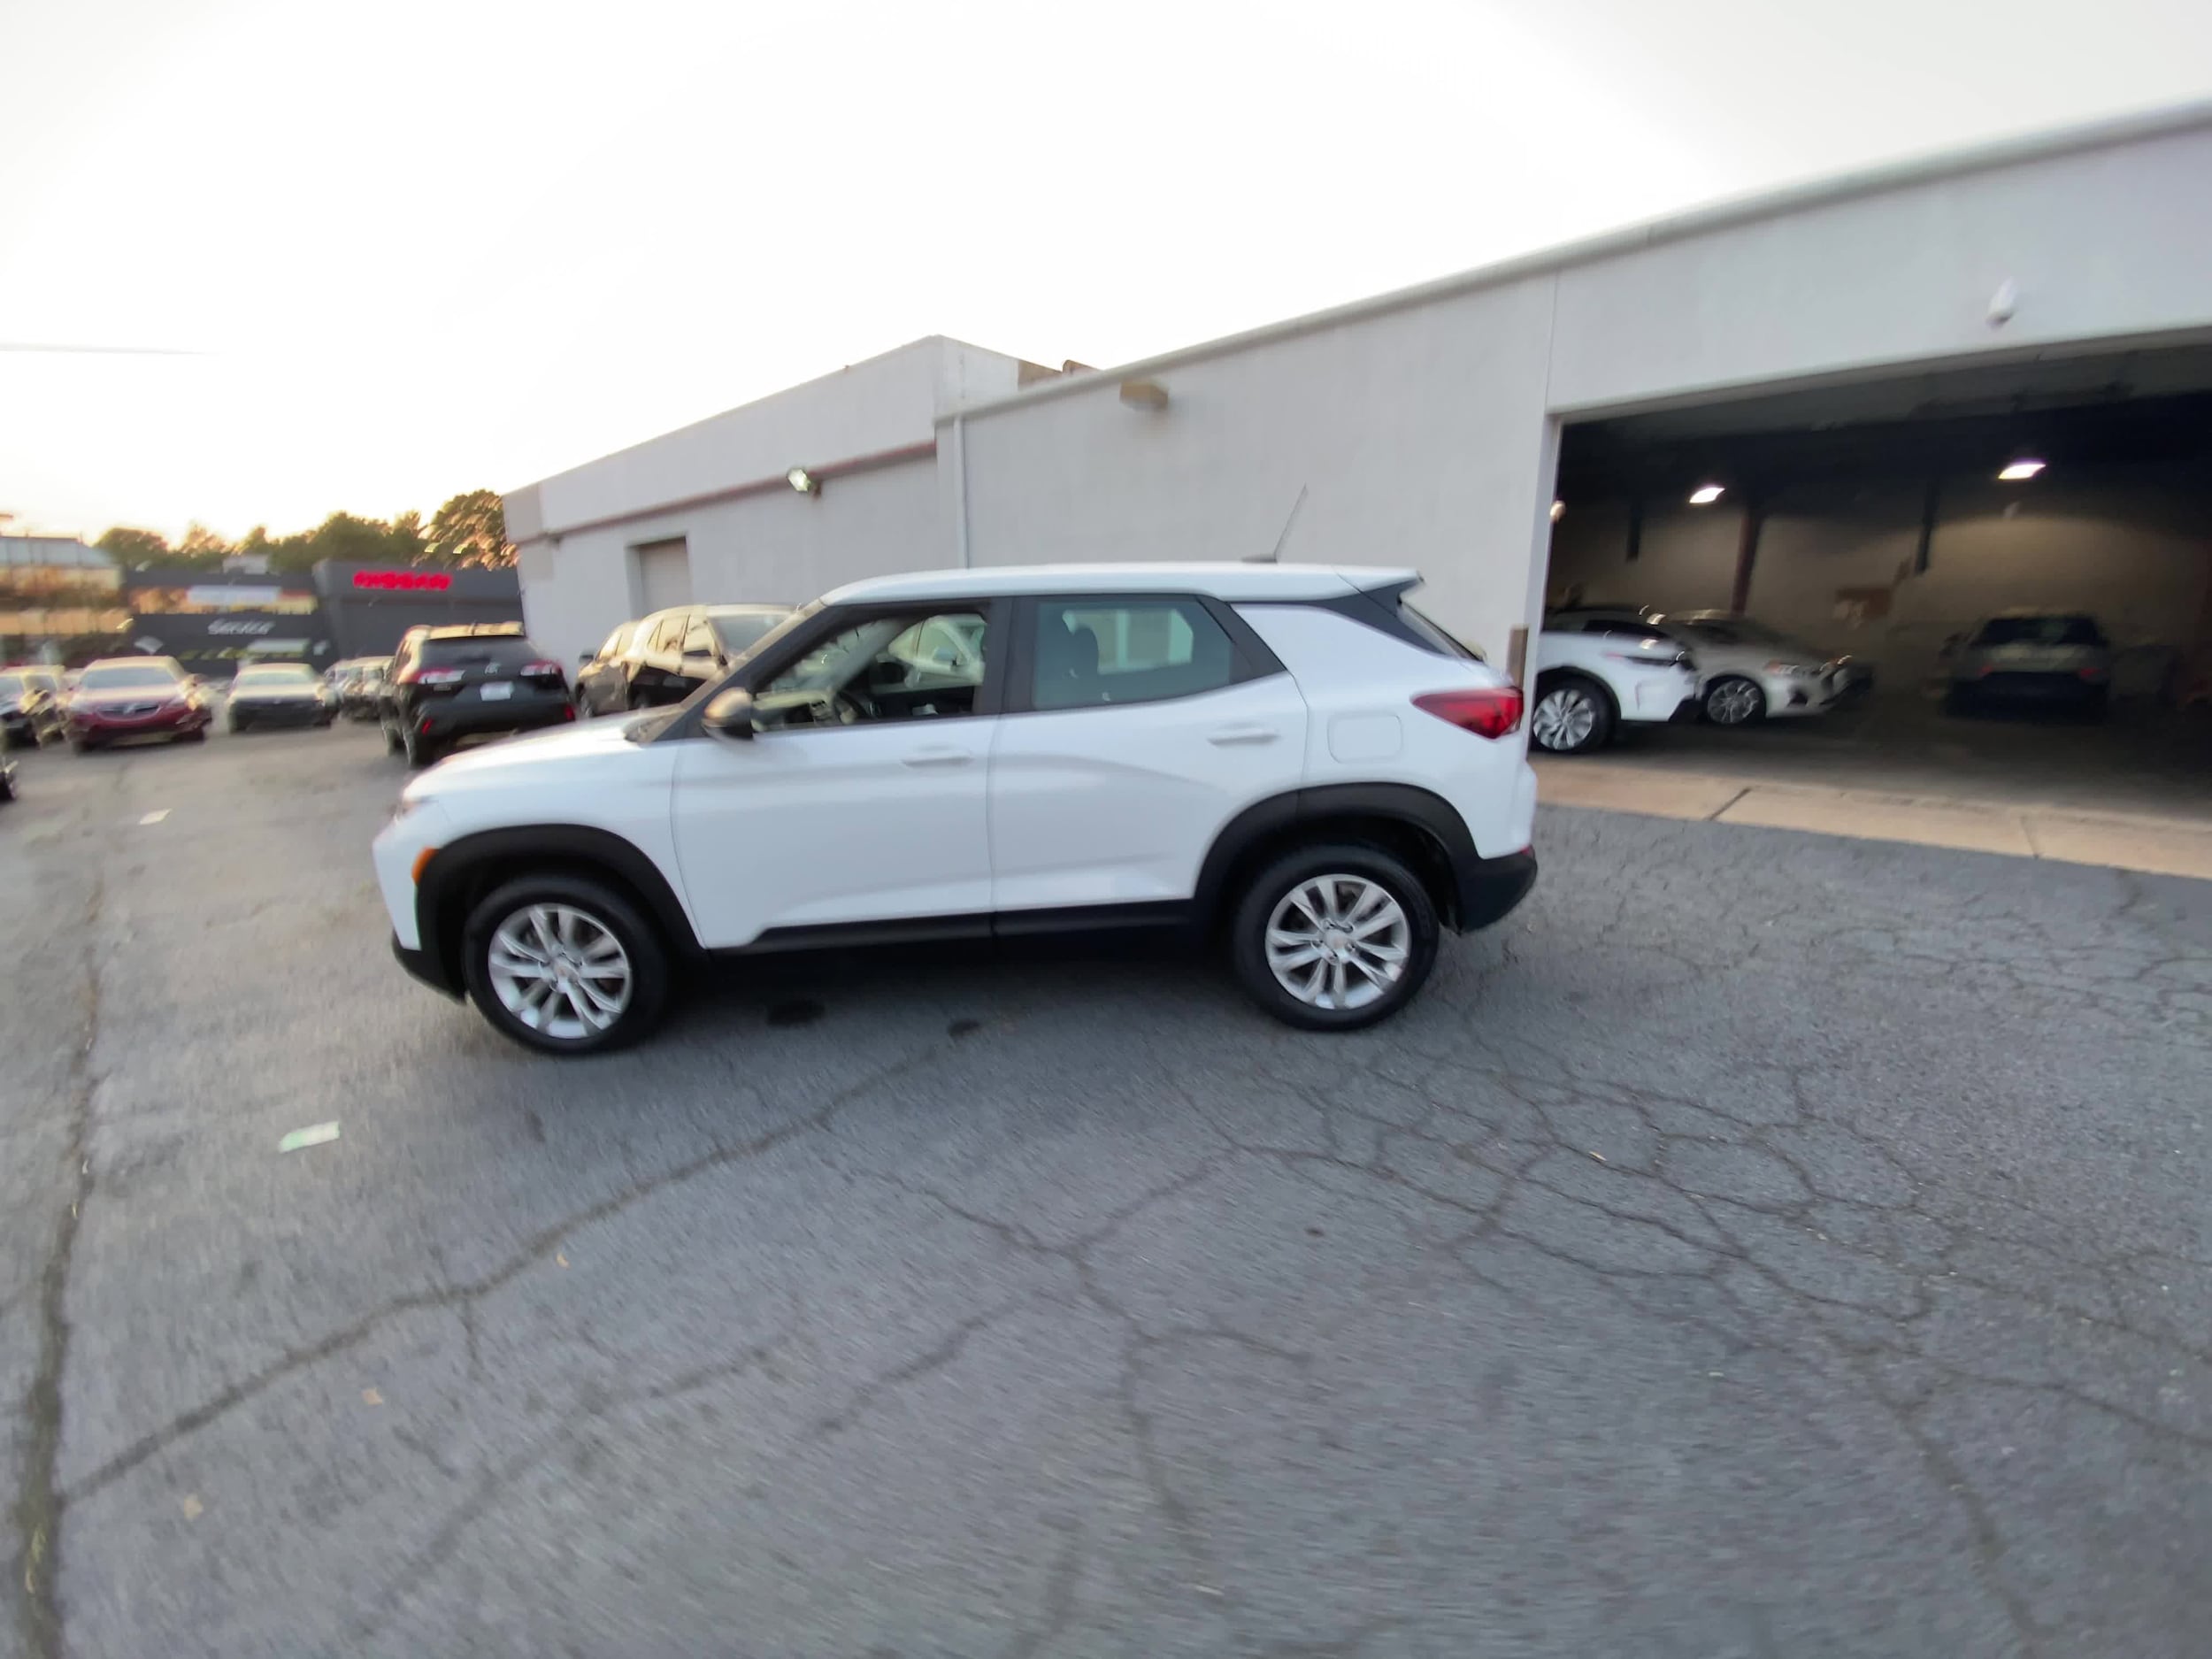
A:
(1746, 670)
(1596, 670)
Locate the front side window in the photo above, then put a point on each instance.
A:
(668, 633)
(892, 668)
(698, 638)
(1090, 652)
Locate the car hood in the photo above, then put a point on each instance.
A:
(559, 745)
(112, 695)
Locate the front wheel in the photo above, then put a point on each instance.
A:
(197, 734)
(561, 964)
(1332, 938)
(1734, 701)
(1572, 716)
(234, 724)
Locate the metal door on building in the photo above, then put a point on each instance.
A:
(664, 574)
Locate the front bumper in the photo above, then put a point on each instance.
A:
(2054, 686)
(94, 726)
(1489, 889)
(287, 711)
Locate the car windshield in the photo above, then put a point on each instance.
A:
(276, 674)
(741, 630)
(2040, 631)
(127, 676)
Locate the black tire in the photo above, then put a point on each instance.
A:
(421, 751)
(234, 724)
(197, 734)
(394, 744)
(1570, 736)
(1248, 929)
(609, 910)
(80, 746)
(7, 785)
(1725, 704)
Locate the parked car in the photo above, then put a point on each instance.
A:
(453, 683)
(279, 693)
(122, 698)
(362, 690)
(31, 705)
(2053, 658)
(1595, 671)
(664, 658)
(1746, 670)
(1286, 758)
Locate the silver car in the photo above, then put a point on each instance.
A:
(2050, 658)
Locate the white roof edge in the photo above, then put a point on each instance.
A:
(1729, 210)
(1219, 580)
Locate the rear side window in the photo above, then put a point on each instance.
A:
(616, 640)
(499, 651)
(1092, 653)
(1386, 610)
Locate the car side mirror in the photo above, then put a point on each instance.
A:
(730, 714)
(585, 659)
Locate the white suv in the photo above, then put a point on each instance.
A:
(1593, 672)
(1289, 756)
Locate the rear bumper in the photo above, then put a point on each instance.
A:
(521, 714)
(426, 966)
(2015, 686)
(1489, 889)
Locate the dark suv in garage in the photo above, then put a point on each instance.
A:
(448, 684)
(664, 658)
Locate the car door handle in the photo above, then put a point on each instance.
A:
(1225, 735)
(942, 756)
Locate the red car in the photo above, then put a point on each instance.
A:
(120, 697)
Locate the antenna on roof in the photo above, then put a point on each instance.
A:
(1275, 553)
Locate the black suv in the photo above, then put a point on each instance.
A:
(664, 658)
(446, 684)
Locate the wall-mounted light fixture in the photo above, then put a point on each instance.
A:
(1144, 395)
(804, 481)
(1706, 495)
(2018, 472)
(1558, 510)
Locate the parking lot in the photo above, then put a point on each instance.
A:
(1762, 1244)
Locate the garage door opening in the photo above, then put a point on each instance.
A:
(1904, 525)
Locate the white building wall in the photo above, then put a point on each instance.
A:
(1417, 436)
(1420, 423)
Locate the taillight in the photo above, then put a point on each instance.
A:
(539, 671)
(1493, 711)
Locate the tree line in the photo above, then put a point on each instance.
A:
(469, 530)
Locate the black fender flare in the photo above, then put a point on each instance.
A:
(442, 889)
(1405, 803)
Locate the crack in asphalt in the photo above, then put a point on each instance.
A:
(38, 1506)
(541, 1248)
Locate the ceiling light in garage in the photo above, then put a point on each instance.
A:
(802, 481)
(1558, 510)
(2020, 470)
(1705, 495)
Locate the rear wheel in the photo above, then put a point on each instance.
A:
(235, 723)
(1734, 701)
(562, 964)
(197, 734)
(421, 751)
(1333, 937)
(1572, 714)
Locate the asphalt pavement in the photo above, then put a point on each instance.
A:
(1764, 1244)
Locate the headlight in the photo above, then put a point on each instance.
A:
(1780, 667)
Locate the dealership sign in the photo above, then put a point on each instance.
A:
(405, 581)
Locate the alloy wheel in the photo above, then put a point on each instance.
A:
(559, 970)
(1565, 717)
(1732, 702)
(1338, 942)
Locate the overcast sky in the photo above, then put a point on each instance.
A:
(422, 245)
